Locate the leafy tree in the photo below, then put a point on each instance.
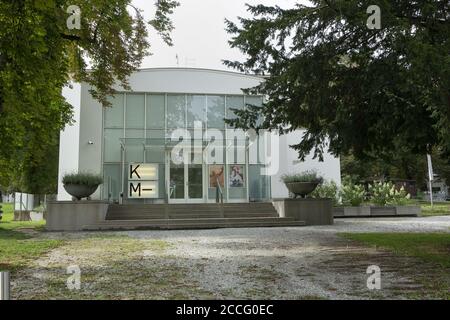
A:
(400, 165)
(40, 54)
(355, 90)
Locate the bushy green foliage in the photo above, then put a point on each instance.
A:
(352, 194)
(40, 55)
(305, 176)
(352, 88)
(83, 178)
(385, 193)
(327, 190)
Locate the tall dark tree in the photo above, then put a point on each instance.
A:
(354, 89)
(41, 52)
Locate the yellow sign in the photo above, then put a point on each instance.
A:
(143, 181)
(142, 171)
(142, 189)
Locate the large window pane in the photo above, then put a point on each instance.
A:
(234, 102)
(112, 145)
(111, 184)
(215, 149)
(134, 149)
(176, 108)
(258, 184)
(155, 111)
(255, 101)
(235, 146)
(135, 105)
(196, 110)
(114, 114)
(216, 112)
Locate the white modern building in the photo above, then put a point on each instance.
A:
(165, 141)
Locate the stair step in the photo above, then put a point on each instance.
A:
(194, 223)
(190, 211)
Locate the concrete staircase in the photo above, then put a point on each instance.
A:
(192, 216)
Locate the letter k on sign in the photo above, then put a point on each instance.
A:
(133, 170)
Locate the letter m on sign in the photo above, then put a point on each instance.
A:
(135, 189)
(133, 171)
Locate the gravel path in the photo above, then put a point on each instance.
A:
(254, 263)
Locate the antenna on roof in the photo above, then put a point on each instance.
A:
(178, 60)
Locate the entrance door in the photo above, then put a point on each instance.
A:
(185, 182)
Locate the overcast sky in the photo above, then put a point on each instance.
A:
(199, 36)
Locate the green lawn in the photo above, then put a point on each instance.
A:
(433, 248)
(17, 247)
(439, 209)
(429, 247)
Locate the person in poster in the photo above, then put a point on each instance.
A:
(236, 178)
(216, 174)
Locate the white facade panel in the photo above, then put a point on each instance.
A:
(69, 140)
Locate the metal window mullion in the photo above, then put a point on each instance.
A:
(145, 126)
(186, 164)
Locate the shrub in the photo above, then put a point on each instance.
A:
(327, 190)
(305, 176)
(384, 193)
(82, 178)
(352, 194)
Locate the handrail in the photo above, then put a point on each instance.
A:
(219, 191)
(109, 186)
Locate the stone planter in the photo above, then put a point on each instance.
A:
(314, 212)
(80, 191)
(301, 189)
(408, 211)
(376, 211)
(74, 215)
(383, 211)
(352, 211)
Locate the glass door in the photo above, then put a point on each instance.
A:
(176, 181)
(185, 182)
(195, 182)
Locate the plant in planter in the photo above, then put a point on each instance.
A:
(385, 193)
(302, 184)
(81, 185)
(352, 194)
(327, 190)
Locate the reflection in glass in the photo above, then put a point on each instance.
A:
(176, 181)
(114, 114)
(195, 178)
(234, 102)
(196, 109)
(155, 111)
(176, 108)
(216, 112)
(135, 106)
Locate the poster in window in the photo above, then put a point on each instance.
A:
(236, 177)
(216, 174)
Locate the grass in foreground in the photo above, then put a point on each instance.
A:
(433, 248)
(429, 247)
(17, 248)
(438, 209)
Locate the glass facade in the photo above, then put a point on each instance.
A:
(146, 128)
